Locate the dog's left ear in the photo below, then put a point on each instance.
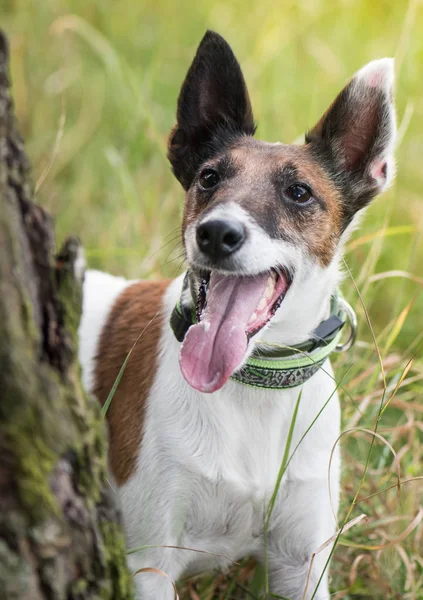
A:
(355, 138)
(213, 107)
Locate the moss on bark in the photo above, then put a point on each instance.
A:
(59, 532)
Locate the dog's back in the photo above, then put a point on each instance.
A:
(100, 293)
(120, 318)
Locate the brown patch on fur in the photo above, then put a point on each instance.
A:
(254, 167)
(138, 310)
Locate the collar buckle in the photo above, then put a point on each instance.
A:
(352, 320)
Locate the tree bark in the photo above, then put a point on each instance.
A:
(59, 534)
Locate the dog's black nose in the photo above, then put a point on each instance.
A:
(218, 238)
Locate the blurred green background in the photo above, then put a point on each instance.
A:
(112, 71)
(95, 85)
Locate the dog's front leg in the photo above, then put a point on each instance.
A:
(295, 579)
(302, 522)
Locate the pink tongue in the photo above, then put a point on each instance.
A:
(216, 346)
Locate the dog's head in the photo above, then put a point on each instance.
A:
(262, 219)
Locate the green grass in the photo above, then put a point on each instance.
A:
(95, 85)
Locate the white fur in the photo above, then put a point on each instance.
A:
(80, 264)
(306, 303)
(258, 253)
(100, 292)
(208, 464)
(380, 75)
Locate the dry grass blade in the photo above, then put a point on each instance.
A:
(410, 571)
(193, 594)
(405, 122)
(348, 432)
(382, 233)
(382, 370)
(391, 487)
(395, 273)
(97, 41)
(56, 148)
(393, 542)
(398, 385)
(141, 548)
(398, 325)
(414, 523)
(406, 33)
(355, 565)
(162, 574)
(343, 529)
(332, 539)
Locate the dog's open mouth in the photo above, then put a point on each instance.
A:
(230, 309)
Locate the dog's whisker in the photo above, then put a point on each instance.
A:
(175, 258)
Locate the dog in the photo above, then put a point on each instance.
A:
(201, 416)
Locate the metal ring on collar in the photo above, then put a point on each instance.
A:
(352, 319)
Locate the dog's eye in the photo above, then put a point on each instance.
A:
(299, 193)
(209, 178)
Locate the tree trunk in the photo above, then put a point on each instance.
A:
(59, 536)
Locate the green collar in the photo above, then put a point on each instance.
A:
(281, 367)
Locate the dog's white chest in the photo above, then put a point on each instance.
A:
(224, 516)
(228, 467)
(208, 463)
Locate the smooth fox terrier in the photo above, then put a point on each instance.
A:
(200, 419)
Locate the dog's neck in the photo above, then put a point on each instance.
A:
(305, 306)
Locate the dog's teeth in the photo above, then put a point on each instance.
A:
(262, 304)
(253, 318)
(270, 286)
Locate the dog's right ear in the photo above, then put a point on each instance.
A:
(213, 108)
